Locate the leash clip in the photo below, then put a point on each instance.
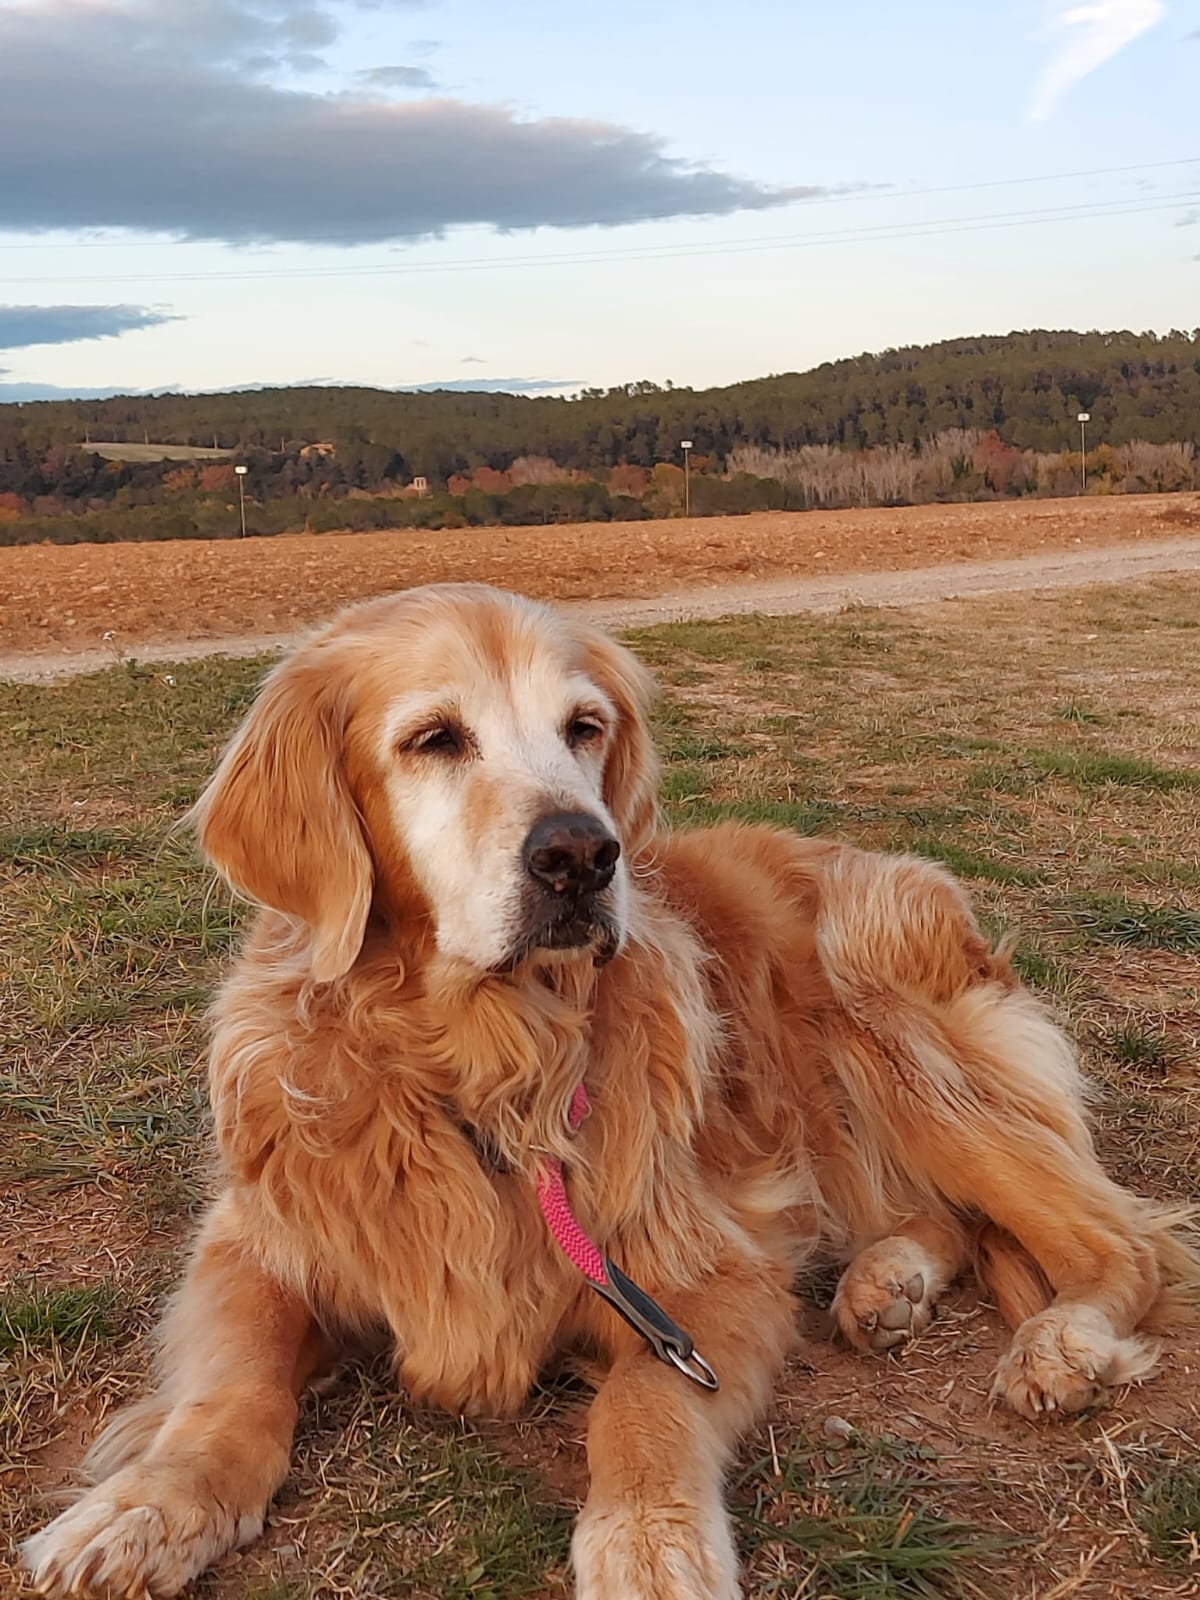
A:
(667, 1339)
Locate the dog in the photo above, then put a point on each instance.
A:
(491, 1017)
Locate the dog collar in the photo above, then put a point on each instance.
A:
(668, 1341)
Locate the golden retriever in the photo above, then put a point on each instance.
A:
(445, 805)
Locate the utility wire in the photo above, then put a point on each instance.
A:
(869, 234)
(847, 196)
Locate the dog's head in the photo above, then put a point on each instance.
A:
(455, 757)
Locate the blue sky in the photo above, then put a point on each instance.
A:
(209, 193)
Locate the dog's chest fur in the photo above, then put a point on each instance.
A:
(397, 1185)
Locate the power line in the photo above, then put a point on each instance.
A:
(869, 234)
(849, 196)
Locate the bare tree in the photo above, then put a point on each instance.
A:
(1156, 468)
(537, 469)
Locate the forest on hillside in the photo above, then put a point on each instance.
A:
(969, 418)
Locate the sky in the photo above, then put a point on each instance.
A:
(212, 194)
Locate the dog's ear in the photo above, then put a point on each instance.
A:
(278, 820)
(631, 771)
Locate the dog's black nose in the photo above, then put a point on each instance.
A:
(571, 853)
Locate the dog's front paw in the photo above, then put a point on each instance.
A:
(142, 1532)
(676, 1552)
(1063, 1359)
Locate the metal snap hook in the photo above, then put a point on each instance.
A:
(706, 1378)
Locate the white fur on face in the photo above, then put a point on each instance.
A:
(464, 818)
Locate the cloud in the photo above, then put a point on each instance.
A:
(491, 385)
(1093, 33)
(473, 361)
(254, 34)
(176, 141)
(19, 394)
(21, 326)
(397, 78)
(257, 35)
(1189, 219)
(24, 393)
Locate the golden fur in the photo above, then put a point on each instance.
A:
(797, 1047)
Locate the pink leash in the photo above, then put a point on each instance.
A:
(668, 1341)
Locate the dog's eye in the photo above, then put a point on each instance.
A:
(583, 730)
(444, 740)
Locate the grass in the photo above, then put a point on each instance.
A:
(1112, 919)
(1042, 972)
(32, 1318)
(1090, 769)
(863, 1524)
(970, 864)
(1154, 1053)
(1169, 1514)
(1017, 747)
(1077, 713)
(458, 1520)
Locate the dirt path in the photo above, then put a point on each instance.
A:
(785, 597)
(788, 596)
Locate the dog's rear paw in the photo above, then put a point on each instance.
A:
(1065, 1358)
(659, 1553)
(886, 1295)
(141, 1533)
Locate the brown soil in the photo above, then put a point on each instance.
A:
(56, 598)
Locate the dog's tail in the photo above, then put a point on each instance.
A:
(1010, 1274)
(1174, 1233)
(1021, 1289)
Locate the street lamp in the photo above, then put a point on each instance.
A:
(241, 478)
(1083, 419)
(685, 445)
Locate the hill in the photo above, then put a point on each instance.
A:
(1027, 386)
(856, 431)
